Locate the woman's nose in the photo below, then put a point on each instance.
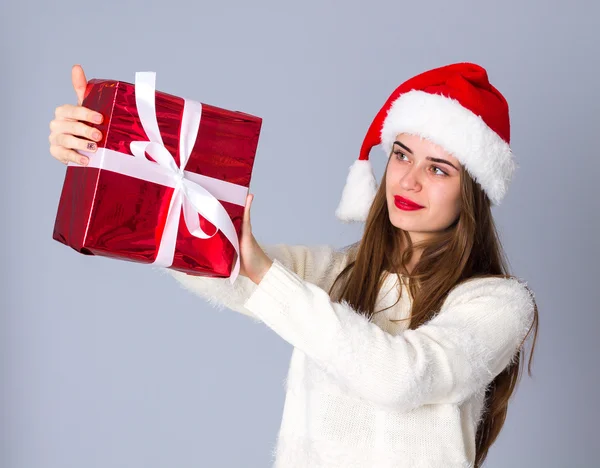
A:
(410, 180)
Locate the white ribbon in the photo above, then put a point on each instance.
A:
(195, 193)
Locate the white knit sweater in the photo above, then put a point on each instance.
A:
(366, 393)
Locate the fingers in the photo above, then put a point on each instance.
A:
(69, 111)
(63, 147)
(249, 199)
(79, 82)
(65, 130)
(68, 124)
(66, 155)
(59, 127)
(71, 142)
(246, 226)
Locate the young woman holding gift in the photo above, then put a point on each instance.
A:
(409, 343)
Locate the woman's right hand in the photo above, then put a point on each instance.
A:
(68, 130)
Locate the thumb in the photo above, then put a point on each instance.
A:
(246, 222)
(79, 82)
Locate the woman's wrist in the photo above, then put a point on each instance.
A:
(257, 278)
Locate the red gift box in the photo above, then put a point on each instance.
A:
(135, 200)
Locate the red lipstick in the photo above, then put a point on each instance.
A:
(406, 204)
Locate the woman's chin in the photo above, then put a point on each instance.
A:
(404, 224)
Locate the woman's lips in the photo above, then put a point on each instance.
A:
(405, 204)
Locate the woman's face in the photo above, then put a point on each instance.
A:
(416, 171)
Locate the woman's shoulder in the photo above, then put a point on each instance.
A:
(497, 307)
(503, 289)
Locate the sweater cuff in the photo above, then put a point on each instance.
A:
(276, 290)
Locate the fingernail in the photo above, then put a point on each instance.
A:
(83, 160)
(98, 118)
(91, 146)
(97, 135)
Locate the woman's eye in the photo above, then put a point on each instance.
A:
(400, 155)
(442, 173)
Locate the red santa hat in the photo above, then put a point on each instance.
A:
(453, 106)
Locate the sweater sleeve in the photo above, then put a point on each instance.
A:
(473, 337)
(318, 265)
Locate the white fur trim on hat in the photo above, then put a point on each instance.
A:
(445, 122)
(359, 192)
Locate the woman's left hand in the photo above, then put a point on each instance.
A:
(254, 262)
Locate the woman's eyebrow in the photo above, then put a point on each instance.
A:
(403, 146)
(443, 161)
(429, 158)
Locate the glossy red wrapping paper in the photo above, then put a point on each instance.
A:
(101, 212)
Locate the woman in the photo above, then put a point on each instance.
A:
(409, 343)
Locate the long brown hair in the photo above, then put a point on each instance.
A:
(469, 248)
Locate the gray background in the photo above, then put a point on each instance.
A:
(110, 364)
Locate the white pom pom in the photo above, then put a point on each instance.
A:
(359, 192)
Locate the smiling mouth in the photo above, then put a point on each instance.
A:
(405, 204)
